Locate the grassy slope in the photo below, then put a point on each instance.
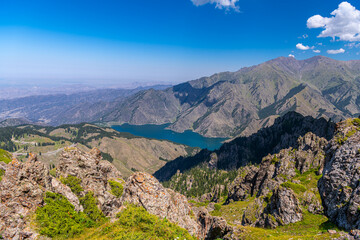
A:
(311, 227)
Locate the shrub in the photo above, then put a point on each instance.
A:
(74, 184)
(217, 207)
(58, 217)
(297, 188)
(136, 223)
(53, 172)
(90, 207)
(116, 188)
(5, 156)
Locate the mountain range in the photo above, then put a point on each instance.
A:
(227, 104)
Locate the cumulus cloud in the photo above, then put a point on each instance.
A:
(341, 50)
(227, 4)
(316, 51)
(344, 25)
(291, 55)
(302, 47)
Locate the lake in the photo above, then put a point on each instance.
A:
(188, 137)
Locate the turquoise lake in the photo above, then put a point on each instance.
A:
(188, 137)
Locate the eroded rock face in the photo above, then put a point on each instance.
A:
(283, 208)
(94, 174)
(339, 187)
(278, 168)
(20, 195)
(213, 227)
(145, 190)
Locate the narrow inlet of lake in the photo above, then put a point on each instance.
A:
(160, 132)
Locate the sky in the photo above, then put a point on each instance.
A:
(122, 42)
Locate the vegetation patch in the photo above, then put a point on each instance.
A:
(274, 160)
(297, 188)
(5, 156)
(91, 209)
(203, 181)
(59, 219)
(136, 223)
(2, 173)
(116, 188)
(74, 184)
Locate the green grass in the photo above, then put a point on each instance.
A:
(297, 188)
(233, 211)
(311, 227)
(74, 184)
(135, 223)
(5, 156)
(59, 219)
(116, 188)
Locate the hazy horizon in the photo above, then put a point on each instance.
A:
(117, 44)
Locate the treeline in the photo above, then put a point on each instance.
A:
(200, 180)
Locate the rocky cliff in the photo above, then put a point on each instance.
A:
(284, 133)
(92, 186)
(339, 187)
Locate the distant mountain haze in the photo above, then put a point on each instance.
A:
(225, 105)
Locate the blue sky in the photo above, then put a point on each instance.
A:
(117, 42)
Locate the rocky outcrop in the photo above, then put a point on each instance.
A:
(145, 190)
(339, 187)
(20, 195)
(94, 174)
(283, 208)
(279, 168)
(213, 227)
(23, 186)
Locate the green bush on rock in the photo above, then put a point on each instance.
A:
(74, 184)
(116, 188)
(58, 217)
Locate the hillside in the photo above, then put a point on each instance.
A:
(127, 152)
(57, 109)
(240, 103)
(306, 191)
(227, 104)
(242, 151)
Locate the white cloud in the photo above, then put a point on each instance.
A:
(291, 55)
(316, 51)
(302, 47)
(227, 4)
(341, 50)
(344, 25)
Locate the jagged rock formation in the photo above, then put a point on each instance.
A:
(23, 186)
(94, 175)
(339, 187)
(21, 192)
(145, 190)
(283, 208)
(272, 183)
(284, 133)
